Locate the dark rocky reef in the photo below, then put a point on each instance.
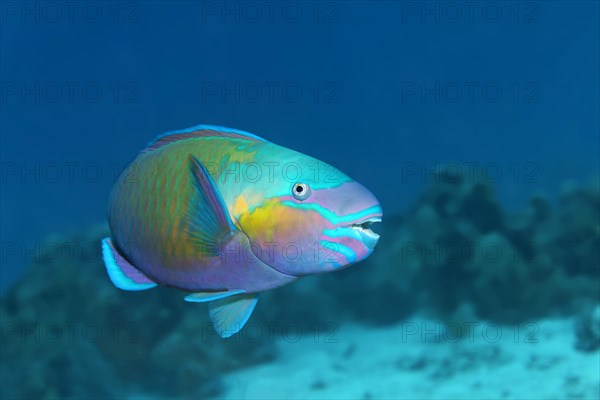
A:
(68, 333)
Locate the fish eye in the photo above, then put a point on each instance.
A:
(301, 191)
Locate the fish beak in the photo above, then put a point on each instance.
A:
(363, 228)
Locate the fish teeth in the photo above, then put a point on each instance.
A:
(366, 223)
(365, 231)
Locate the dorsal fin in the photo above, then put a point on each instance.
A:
(199, 131)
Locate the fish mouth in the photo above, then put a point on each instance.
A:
(363, 228)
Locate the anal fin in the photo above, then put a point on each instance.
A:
(230, 314)
(122, 274)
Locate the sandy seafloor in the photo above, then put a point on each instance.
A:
(422, 359)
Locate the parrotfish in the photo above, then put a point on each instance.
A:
(223, 215)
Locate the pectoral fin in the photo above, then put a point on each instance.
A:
(209, 224)
(230, 314)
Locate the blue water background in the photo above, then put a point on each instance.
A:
(156, 64)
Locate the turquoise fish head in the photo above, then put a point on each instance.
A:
(314, 220)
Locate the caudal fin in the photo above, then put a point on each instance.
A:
(122, 274)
